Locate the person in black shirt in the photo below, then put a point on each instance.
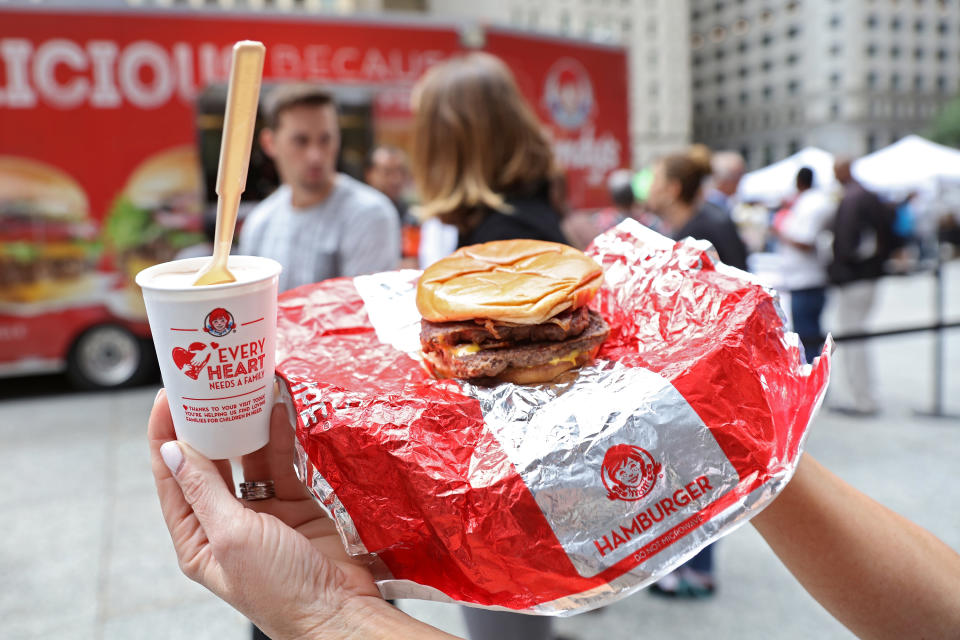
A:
(862, 242)
(482, 162)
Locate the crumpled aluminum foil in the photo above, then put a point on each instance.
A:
(558, 498)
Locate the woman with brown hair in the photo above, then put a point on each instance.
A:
(676, 196)
(483, 163)
(481, 160)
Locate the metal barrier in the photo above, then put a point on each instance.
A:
(939, 327)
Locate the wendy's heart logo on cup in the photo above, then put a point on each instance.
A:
(191, 360)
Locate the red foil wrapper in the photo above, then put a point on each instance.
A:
(556, 498)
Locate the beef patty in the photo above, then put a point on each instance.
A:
(488, 362)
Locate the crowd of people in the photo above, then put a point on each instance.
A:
(483, 169)
(321, 223)
(825, 243)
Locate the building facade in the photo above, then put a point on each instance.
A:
(850, 76)
(655, 33)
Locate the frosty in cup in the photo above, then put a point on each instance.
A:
(216, 346)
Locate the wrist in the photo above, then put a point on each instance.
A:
(358, 618)
(366, 617)
(783, 506)
(371, 618)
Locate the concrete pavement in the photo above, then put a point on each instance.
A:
(86, 555)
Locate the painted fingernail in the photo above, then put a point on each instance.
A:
(172, 455)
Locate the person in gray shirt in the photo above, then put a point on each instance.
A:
(319, 223)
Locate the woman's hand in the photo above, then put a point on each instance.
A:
(278, 561)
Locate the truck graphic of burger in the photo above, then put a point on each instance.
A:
(158, 213)
(48, 247)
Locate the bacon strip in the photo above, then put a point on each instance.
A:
(489, 334)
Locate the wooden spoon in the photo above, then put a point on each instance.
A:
(243, 95)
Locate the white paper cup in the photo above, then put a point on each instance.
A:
(216, 346)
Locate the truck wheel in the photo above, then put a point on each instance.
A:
(108, 356)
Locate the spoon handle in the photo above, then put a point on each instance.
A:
(243, 94)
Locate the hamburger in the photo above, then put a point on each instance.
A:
(48, 247)
(158, 214)
(511, 311)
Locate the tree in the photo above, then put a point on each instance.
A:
(945, 128)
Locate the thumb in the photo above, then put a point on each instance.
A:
(202, 486)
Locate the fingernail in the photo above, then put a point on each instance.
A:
(172, 455)
(159, 391)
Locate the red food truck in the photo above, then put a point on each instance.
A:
(109, 137)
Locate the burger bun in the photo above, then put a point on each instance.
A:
(40, 190)
(516, 281)
(167, 174)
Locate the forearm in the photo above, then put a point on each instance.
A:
(876, 572)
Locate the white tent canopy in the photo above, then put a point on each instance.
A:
(910, 164)
(771, 185)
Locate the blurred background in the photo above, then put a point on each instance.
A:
(110, 121)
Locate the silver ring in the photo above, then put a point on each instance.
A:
(257, 490)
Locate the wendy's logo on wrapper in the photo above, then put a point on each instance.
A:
(219, 322)
(193, 359)
(568, 94)
(628, 472)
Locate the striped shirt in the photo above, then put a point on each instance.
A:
(352, 232)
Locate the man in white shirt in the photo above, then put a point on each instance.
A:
(804, 273)
(319, 223)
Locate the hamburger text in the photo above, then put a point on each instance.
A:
(664, 507)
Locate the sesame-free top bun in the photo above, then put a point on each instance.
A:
(518, 281)
(39, 190)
